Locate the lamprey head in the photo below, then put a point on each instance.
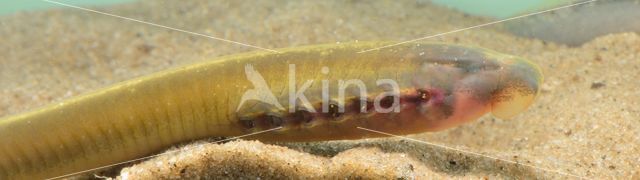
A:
(450, 91)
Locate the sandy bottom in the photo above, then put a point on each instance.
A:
(585, 124)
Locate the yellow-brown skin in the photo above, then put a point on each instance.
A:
(441, 86)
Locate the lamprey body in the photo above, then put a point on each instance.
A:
(317, 93)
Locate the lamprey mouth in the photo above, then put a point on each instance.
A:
(519, 87)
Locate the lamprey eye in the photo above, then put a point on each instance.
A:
(424, 95)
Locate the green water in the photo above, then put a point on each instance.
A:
(490, 8)
(13, 6)
(500, 8)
